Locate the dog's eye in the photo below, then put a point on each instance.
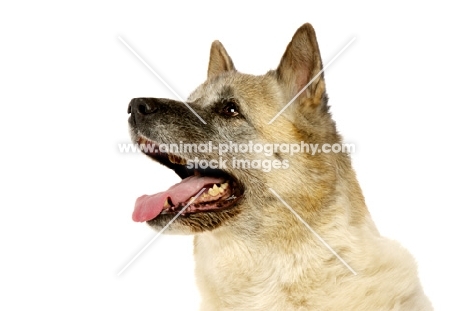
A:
(230, 109)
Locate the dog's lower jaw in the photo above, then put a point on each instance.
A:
(235, 273)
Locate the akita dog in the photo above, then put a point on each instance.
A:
(279, 230)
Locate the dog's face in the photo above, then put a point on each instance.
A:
(237, 109)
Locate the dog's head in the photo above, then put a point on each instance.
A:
(231, 142)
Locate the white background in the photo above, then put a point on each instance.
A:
(398, 93)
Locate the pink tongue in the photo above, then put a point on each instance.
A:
(148, 207)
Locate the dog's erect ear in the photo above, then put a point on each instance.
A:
(300, 64)
(219, 60)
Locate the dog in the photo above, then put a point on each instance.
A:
(275, 230)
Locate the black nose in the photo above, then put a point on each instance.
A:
(142, 106)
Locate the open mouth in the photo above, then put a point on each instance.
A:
(220, 190)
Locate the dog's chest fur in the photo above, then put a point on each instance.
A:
(236, 274)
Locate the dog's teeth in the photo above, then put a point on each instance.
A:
(218, 189)
(213, 191)
(176, 160)
(224, 186)
(166, 204)
(171, 158)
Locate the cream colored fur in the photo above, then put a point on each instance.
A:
(266, 259)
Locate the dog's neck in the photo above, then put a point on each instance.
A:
(252, 258)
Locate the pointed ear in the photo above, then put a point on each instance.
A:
(219, 60)
(300, 64)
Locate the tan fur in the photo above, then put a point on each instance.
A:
(257, 255)
(281, 265)
(219, 60)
